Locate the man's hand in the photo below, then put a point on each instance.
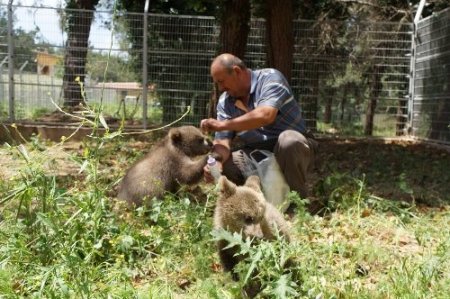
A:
(256, 118)
(211, 125)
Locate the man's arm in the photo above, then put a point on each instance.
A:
(258, 117)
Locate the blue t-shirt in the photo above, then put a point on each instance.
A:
(268, 88)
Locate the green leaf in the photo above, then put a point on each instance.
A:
(23, 151)
(234, 239)
(45, 221)
(112, 135)
(83, 166)
(99, 244)
(126, 242)
(255, 259)
(285, 287)
(103, 121)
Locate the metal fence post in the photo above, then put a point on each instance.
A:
(2, 89)
(412, 66)
(412, 70)
(11, 61)
(144, 66)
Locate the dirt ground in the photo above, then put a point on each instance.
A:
(395, 169)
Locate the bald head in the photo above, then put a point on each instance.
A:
(227, 61)
(231, 75)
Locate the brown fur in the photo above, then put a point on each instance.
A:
(244, 209)
(166, 167)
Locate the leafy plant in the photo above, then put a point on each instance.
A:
(267, 267)
(67, 237)
(342, 190)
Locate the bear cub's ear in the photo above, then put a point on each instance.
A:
(175, 135)
(253, 182)
(226, 187)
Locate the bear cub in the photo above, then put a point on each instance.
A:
(167, 166)
(244, 209)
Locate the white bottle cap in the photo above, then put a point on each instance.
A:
(211, 160)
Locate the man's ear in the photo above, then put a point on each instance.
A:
(175, 135)
(253, 182)
(237, 70)
(226, 187)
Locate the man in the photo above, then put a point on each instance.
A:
(258, 107)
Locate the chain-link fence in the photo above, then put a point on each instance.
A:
(341, 71)
(430, 106)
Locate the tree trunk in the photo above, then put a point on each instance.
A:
(78, 30)
(375, 90)
(280, 36)
(234, 29)
(343, 103)
(327, 113)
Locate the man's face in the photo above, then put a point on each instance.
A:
(231, 82)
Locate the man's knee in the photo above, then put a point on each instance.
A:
(291, 141)
(294, 150)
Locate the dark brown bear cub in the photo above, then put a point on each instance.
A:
(166, 167)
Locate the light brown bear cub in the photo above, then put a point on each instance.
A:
(167, 166)
(244, 209)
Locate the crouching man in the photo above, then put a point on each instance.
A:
(258, 107)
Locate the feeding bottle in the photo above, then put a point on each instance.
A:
(214, 168)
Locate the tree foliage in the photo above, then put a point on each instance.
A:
(331, 20)
(24, 43)
(177, 7)
(118, 69)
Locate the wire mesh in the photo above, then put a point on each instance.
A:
(430, 115)
(338, 71)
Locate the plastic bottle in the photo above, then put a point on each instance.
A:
(214, 168)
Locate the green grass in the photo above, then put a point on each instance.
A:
(63, 236)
